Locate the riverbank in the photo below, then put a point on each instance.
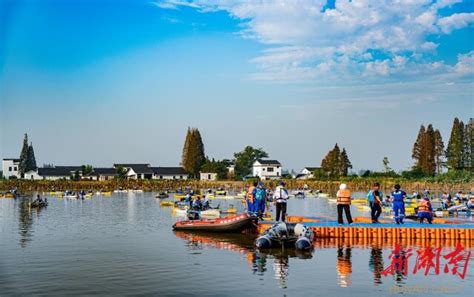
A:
(161, 185)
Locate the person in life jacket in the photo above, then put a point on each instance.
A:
(398, 202)
(280, 197)
(251, 205)
(260, 199)
(425, 210)
(344, 204)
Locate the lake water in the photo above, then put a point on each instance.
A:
(124, 246)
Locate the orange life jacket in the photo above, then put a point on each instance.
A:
(424, 206)
(250, 193)
(344, 197)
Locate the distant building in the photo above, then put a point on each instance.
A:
(169, 173)
(10, 168)
(208, 176)
(101, 174)
(267, 169)
(307, 172)
(54, 173)
(137, 171)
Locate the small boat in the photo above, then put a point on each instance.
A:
(136, 191)
(359, 201)
(166, 203)
(37, 204)
(121, 191)
(299, 194)
(237, 223)
(74, 196)
(322, 195)
(221, 192)
(8, 195)
(291, 235)
(179, 196)
(162, 195)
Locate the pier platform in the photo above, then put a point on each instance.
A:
(329, 228)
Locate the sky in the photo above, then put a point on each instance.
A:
(103, 82)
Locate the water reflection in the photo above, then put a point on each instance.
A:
(25, 218)
(257, 259)
(344, 266)
(376, 264)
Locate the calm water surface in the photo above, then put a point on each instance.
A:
(124, 246)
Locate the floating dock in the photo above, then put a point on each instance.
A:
(327, 228)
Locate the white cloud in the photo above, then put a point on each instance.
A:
(456, 21)
(370, 37)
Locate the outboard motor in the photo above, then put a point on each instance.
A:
(305, 237)
(193, 215)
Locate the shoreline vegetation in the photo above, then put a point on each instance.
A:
(355, 184)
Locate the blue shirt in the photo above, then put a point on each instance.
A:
(398, 196)
(371, 197)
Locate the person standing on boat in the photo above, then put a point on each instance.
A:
(260, 199)
(398, 201)
(425, 210)
(251, 205)
(280, 197)
(344, 204)
(375, 201)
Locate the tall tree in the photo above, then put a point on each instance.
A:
(245, 159)
(344, 163)
(469, 145)
(193, 152)
(31, 159)
(428, 165)
(386, 165)
(23, 156)
(455, 150)
(331, 162)
(439, 151)
(417, 147)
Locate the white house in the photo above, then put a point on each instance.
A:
(137, 171)
(307, 172)
(101, 174)
(53, 173)
(10, 168)
(267, 169)
(208, 176)
(169, 173)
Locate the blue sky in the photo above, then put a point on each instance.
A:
(99, 82)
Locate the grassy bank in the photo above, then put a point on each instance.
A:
(356, 184)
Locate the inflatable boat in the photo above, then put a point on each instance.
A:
(162, 195)
(37, 204)
(288, 235)
(228, 224)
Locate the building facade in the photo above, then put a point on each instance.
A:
(170, 173)
(208, 176)
(10, 168)
(266, 169)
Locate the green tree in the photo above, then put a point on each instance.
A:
(455, 150)
(31, 159)
(86, 169)
(331, 162)
(214, 166)
(193, 156)
(469, 145)
(439, 151)
(23, 156)
(344, 163)
(245, 159)
(428, 165)
(121, 172)
(417, 148)
(386, 165)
